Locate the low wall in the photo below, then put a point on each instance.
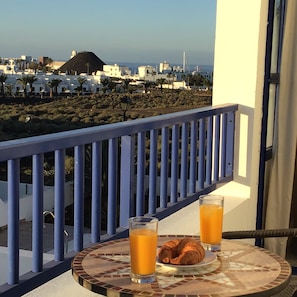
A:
(26, 201)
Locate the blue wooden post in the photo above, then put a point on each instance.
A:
(193, 158)
(209, 148)
(202, 154)
(174, 164)
(153, 172)
(164, 169)
(127, 180)
(224, 145)
(79, 177)
(140, 174)
(112, 186)
(96, 191)
(13, 221)
(184, 161)
(59, 204)
(37, 213)
(230, 143)
(217, 143)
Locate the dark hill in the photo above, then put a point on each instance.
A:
(83, 62)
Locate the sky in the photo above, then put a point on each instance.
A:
(116, 31)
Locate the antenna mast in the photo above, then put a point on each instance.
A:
(184, 62)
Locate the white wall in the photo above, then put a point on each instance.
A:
(26, 203)
(238, 78)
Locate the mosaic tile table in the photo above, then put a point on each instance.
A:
(239, 270)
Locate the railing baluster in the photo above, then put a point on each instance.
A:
(13, 220)
(140, 174)
(174, 163)
(96, 191)
(59, 205)
(217, 142)
(153, 172)
(202, 153)
(112, 186)
(209, 148)
(230, 143)
(164, 169)
(79, 170)
(127, 180)
(193, 158)
(37, 213)
(184, 161)
(224, 145)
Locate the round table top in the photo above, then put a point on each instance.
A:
(239, 269)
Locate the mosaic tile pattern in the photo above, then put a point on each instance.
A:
(240, 269)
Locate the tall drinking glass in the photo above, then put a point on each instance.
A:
(143, 235)
(211, 221)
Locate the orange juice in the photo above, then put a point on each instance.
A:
(143, 250)
(211, 220)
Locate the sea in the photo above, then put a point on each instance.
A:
(189, 68)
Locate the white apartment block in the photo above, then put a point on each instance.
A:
(116, 71)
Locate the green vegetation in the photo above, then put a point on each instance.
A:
(24, 117)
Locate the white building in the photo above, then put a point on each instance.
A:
(67, 85)
(116, 71)
(164, 66)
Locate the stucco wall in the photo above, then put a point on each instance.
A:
(238, 78)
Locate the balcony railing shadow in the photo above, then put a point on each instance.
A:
(152, 166)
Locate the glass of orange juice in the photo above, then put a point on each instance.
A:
(211, 221)
(143, 235)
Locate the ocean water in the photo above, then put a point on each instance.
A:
(190, 68)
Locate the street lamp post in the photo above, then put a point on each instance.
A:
(125, 104)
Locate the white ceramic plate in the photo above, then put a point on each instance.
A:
(208, 259)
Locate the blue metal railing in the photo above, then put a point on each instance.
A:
(155, 166)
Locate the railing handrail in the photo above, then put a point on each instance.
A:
(45, 143)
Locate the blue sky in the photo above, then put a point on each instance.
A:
(115, 30)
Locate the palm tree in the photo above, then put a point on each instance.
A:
(147, 85)
(161, 82)
(126, 84)
(3, 78)
(81, 81)
(25, 80)
(171, 77)
(53, 84)
(31, 80)
(105, 83)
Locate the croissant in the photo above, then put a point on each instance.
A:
(168, 251)
(186, 251)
